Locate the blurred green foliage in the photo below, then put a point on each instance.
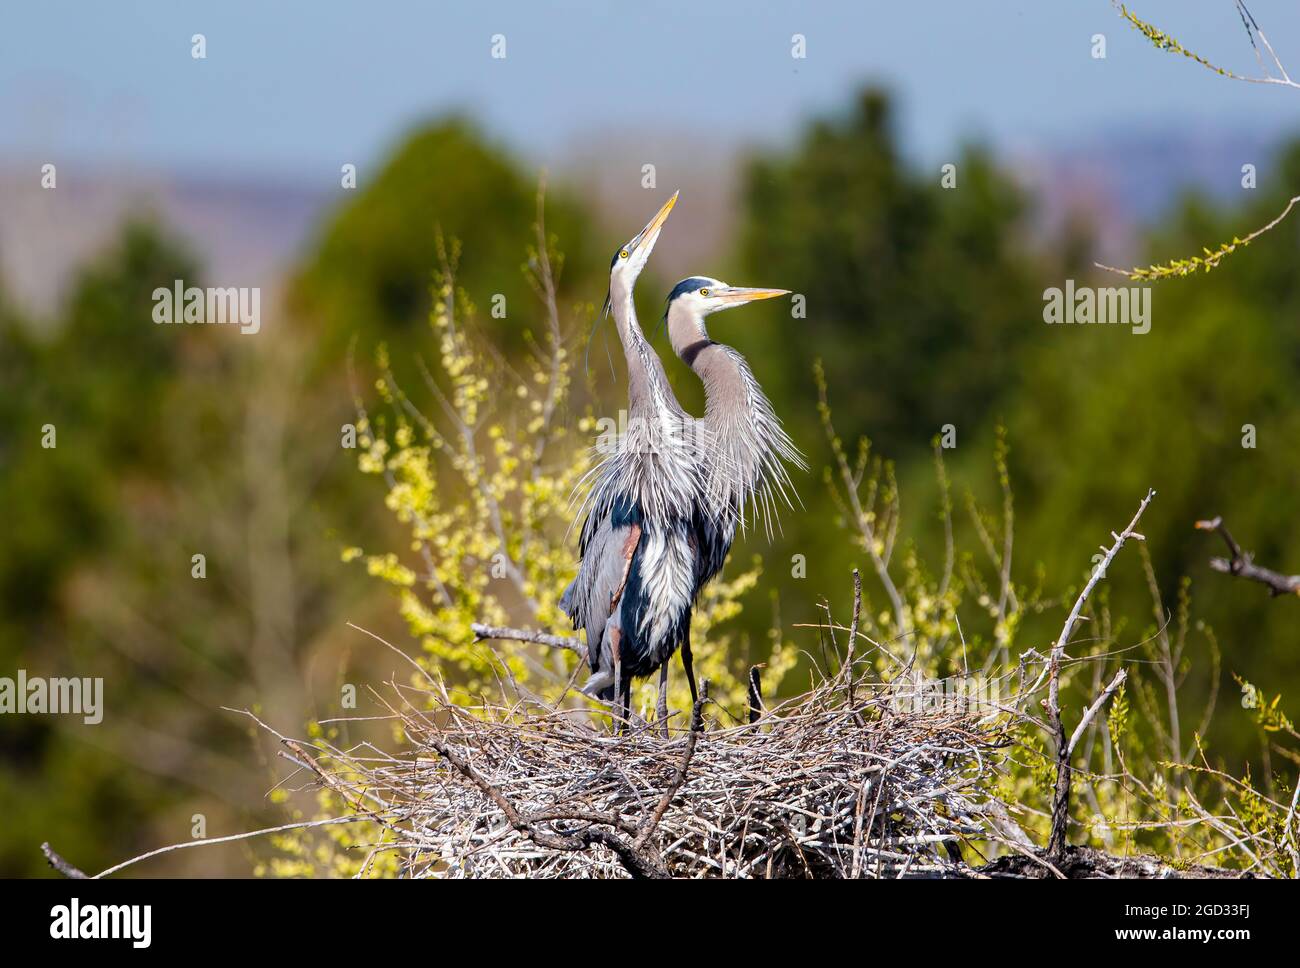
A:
(99, 380)
(371, 269)
(1099, 414)
(172, 442)
(917, 295)
(926, 305)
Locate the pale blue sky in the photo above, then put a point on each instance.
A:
(289, 87)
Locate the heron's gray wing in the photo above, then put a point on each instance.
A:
(574, 599)
(587, 599)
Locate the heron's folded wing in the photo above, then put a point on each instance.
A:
(587, 600)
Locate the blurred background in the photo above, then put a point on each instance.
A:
(819, 174)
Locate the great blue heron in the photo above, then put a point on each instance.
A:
(752, 447)
(636, 582)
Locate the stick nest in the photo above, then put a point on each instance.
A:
(827, 785)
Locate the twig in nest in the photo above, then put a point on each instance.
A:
(853, 629)
(697, 727)
(1242, 563)
(637, 862)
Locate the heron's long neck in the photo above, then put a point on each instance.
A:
(657, 463)
(739, 417)
(647, 385)
(731, 393)
(732, 397)
(624, 310)
(721, 369)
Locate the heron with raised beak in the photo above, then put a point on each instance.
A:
(637, 578)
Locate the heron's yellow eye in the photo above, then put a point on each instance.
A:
(623, 254)
(704, 292)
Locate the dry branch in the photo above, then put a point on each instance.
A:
(755, 692)
(1241, 563)
(1061, 793)
(853, 628)
(1092, 710)
(61, 865)
(500, 632)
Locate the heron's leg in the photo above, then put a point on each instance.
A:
(615, 637)
(620, 714)
(625, 705)
(689, 666)
(661, 710)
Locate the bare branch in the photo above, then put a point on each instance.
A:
(1242, 563)
(755, 694)
(185, 845)
(1092, 710)
(61, 865)
(853, 629)
(501, 632)
(1061, 794)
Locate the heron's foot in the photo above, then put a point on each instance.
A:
(597, 684)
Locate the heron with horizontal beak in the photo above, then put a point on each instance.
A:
(753, 448)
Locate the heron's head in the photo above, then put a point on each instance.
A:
(699, 296)
(633, 254)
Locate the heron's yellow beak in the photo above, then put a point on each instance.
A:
(738, 296)
(650, 233)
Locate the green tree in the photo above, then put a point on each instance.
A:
(99, 380)
(371, 271)
(916, 293)
(1100, 414)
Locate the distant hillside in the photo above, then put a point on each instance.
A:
(243, 231)
(1125, 179)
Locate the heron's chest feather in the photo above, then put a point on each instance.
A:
(666, 568)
